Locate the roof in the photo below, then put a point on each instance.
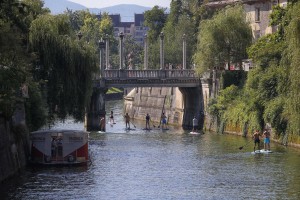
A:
(139, 19)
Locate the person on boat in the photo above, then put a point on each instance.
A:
(147, 122)
(127, 120)
(195, 124)
(266, 134)
(102, 124)
(256, 138)
(163, 121)
(112, 121)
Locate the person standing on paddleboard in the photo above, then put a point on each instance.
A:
(266, 134)
(195, 124)
(102, 124)
(163, 121)
(256, 138)
(148, 121)
(127, 120)
(112, 121)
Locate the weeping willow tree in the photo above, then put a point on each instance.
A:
(66, 65)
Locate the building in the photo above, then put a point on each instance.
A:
(136, 29)
(257, 11)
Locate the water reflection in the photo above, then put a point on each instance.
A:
(164, 165)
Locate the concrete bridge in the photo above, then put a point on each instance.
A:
(186, 80)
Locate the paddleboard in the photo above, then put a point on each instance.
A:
(261, 151)
(147, 129)
(129, 129)
(194, 133)
(101, 131)
(164, 129)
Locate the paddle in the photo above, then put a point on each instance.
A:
(152, 123)
(240, 148)
(133, 124)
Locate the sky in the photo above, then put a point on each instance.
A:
(107, 3)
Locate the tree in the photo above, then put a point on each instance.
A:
(223, 39)
(155, 19)
(66, 65)
(16, 60)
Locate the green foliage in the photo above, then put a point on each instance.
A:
(272, 90)
(155, 19)
(223, 39)
(236, 77)
(292, 57)
(66, 63)
(15, 59)
(266, 50)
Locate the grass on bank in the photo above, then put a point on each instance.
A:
(114, 90)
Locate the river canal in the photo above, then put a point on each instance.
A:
(163, 165)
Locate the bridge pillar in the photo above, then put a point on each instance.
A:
(96, 111)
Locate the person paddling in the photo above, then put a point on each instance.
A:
(112, 121)
(266, 134)
(127, 120)
(164, 121)
(148, 122)
(256, 138)
(195, 124)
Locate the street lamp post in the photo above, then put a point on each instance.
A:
(107, 51)
(161, 50)
(145, 52)
(184, 51)
(101, 47)
(121, 35)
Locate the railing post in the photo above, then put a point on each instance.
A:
(184, 51)
(145, 52)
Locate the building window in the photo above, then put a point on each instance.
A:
(257, 14)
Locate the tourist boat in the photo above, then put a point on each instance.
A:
(59, 147)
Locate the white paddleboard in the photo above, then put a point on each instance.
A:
(194, 133)
(261, 151)
(101, 131)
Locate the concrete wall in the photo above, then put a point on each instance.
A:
(14, 149)
(179, 105)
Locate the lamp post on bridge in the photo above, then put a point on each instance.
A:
(145, 52)
(101, 47)
(162, 50)
(107, 51)
(121, 35)
(184, 51)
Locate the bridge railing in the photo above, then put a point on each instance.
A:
(149, 74)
